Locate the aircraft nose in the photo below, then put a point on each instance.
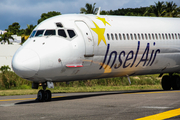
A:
(26, 63)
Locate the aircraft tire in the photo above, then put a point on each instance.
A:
(40, 96)
(47, 95)
(166, 83)
(176, 82)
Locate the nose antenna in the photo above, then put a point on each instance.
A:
(98, 13)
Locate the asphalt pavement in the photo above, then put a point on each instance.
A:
(116, 105)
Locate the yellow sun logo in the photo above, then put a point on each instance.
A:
(100, 31)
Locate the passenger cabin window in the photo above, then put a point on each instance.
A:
(139, 37)
(142, 35)
(120, 37)
(149, 36)
(50, 32)
(131, 36)
(135, 36)
(153, 36)
(159, 36)
(172, 36)
(176, 36)
(146, 36)
(112, 36)
(166, 36)
(62, 33)
(116, 36)
(127, 36)
(71, 33)
(169, 36)
(39, 33)
(156, 36)
(108, 37)
(163, 36)
(32, 34)
(124, 37)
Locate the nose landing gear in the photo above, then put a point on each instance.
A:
(44, 95)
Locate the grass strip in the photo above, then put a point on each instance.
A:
(80, 89)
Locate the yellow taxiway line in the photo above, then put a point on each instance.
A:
(153, 92)
(162, 116)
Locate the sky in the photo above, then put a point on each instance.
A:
(29, 11)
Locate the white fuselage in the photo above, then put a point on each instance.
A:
(79, 47)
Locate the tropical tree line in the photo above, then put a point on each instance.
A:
(160, 9)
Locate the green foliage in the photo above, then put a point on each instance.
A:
(162, 9)
(9, 80)
(5, 68)
(127, 11)
(118, 81)
(171, 9)
(89, 9)
(5, 37)
(29, 29)
(14, 28)
(45, 16)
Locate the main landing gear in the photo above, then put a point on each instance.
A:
(43, 95)
(170, 81)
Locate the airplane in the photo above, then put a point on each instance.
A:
(75, 47)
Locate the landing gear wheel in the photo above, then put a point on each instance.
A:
(40, 95)
(175, 82)
(166, 83)
(47, 95)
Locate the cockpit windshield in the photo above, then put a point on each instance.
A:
(33, 33)
(39, 33)
(62, 33)
(66, 33)
(50, 32)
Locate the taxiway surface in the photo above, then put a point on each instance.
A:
(117, 105)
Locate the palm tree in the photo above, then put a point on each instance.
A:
(29, 29)
(171, 9)
(158, 10)
(89, 9)
(5, 37)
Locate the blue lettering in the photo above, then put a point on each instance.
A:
(108, 46)
(120, 61)
(128, 58)
(114, 52)
(130, 55)
(157, 51)
(137, 51)
(150, 57)
(146, 52)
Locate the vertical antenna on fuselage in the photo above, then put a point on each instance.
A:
(99, 11)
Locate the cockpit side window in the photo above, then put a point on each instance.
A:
(50, 32)
(71, 33)
(39, 33)
(62, 33)
(32, 34)
(59, 25)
